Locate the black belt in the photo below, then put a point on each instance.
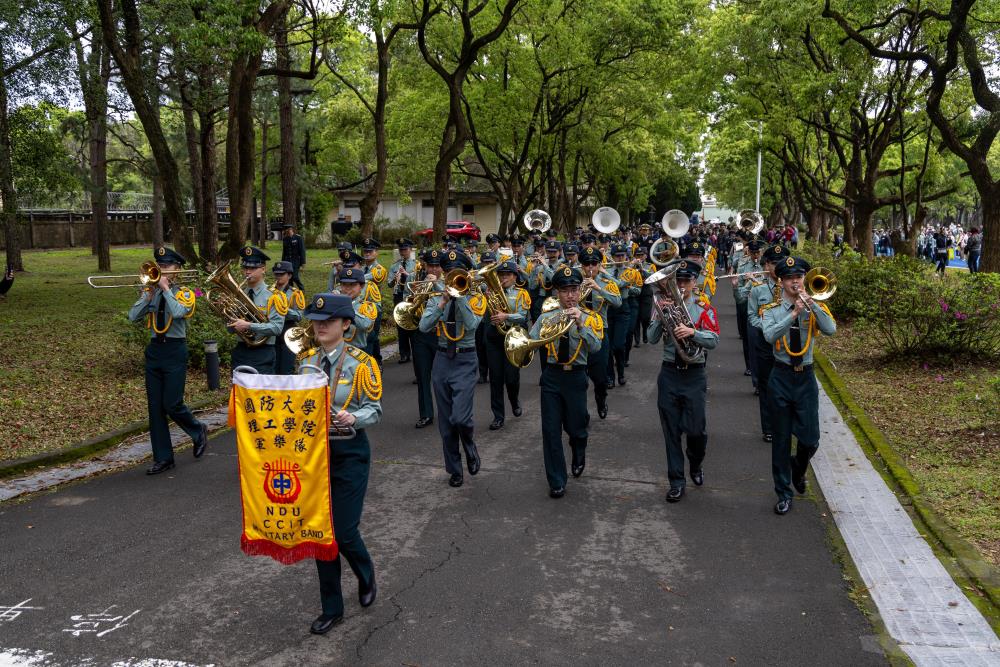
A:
(790, 367)
(681, 366)
(552, 365)
(458, 350)
(164, 339)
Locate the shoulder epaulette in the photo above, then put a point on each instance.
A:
(279, 302)
(372, 292)
(367, 376)
(379, 272)
(368, 309)
(523, 299)
(477, 303)
(186, 298)
(594, 322)
(298, 298)
(768, 306)
(612, 288)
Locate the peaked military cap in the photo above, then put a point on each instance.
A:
(455, 259)
(618, 249)
(164, 255)
(492, 238)
(591, 256)
(487, 258)
(587, 237)
(370, 244)
(572, 249)
(351, 275)
(754, 245)
(694, 248)
(349, 257)
(565, 276)
(329, 306)
(775, 253)
(791, 266)
(251, 256)
(432, 257)
(688, 269)
(553, 245)
(404, 243)
(508, 266)
(282, 267)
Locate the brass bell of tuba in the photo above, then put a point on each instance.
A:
(606, 220)
(537, 220)
(229, 302)
(675, 224)
(750, 221)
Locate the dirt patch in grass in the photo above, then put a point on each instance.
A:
(941, 416)
(66, 374)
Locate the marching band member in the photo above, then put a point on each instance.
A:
(741, 290)
(284, 275)
(355, 395)
(645, 269)
(564, 380)
(503, 374)
(681, 386)
(165, 309)
(604, 293)
(790, 324)
(484, 366)
(352, 284)
(425, 347)
(623, 320)
(472, 250)
(763, 292)
(375, 277)
(455, 319)
(293, 251)
(401, 271)
(269, 302)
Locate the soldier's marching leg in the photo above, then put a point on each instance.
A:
(424, 350)
(463, 395)
(597, 371)
(780, 397)
(484, 365)
(495, 359)
(669, 405)
(764, 360)
(443, 396)
(350, 466)
(512, 380)
(695, 388)
(553, 408)
(174, 372)
(260, 358)
(575, 416)
(159, 430)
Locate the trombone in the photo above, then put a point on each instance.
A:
(149, 274)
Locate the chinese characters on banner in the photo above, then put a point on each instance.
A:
(281, 424)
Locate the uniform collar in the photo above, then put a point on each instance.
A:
(334, 356)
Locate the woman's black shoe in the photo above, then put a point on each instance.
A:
(456, 480)
(424, 421)
(323, 623)
(496, 425)
(159, 466)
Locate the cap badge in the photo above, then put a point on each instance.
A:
(453, 255)
(161, 252)
(319, 302)
(790, 261)
(567, 271)
(248, 251)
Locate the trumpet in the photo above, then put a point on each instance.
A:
(149, 274)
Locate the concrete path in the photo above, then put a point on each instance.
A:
(127, 569)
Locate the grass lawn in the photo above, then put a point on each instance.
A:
(941, 416)
(66, 373)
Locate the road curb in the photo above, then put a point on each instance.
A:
(95, 445)
(966, 563)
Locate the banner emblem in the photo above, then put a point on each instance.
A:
(281, 481)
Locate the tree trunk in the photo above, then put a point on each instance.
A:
(8, 214)
(815, 221)
(863, 229)
(289, 190)
(990, 259)
(824, 230)
(451, 146)
(157, 221)
(98, 129)
(134, 74)
(194, 166)
(209, 237)
(259, 235)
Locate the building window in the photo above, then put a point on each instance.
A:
(469, 209)
(352, 204)
(428, 203)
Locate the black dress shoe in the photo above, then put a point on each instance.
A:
(698, 477)
(610, 384)
(159, 466)
(756, 391)
(517, 410)
(557, 493)
(201, 442)
(403, 360)
(782, 506)
(496, 424)
(471, 457)
(747, 372)
(768, 437)
(414, 381)
(621, 379)
(602, 409)
(456, 480)
(675, 494)
(579, 465)
(368, 596)
(323, 623)
(799, 481)
(424, 421)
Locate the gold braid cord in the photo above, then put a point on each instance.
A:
(279, 302)
(478, 304)
(367, 376)
(596, 324)
(299, 298)
(186, 298)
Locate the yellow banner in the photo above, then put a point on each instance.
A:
(281, 424)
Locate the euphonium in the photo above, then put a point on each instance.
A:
(230, 302)
(496, 297)
(676, 314)
(407, 313)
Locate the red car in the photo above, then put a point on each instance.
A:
(460, 229)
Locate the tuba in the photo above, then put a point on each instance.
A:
(606, 220)
(675, 314)
(675, 224)
(537, 220)
(520, 347)
(751, 222)
(230, 302)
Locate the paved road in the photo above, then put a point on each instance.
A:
(492, 573)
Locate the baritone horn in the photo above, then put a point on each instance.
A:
(606, 220)
(149, 274)
(537, 220)
(520, 347)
